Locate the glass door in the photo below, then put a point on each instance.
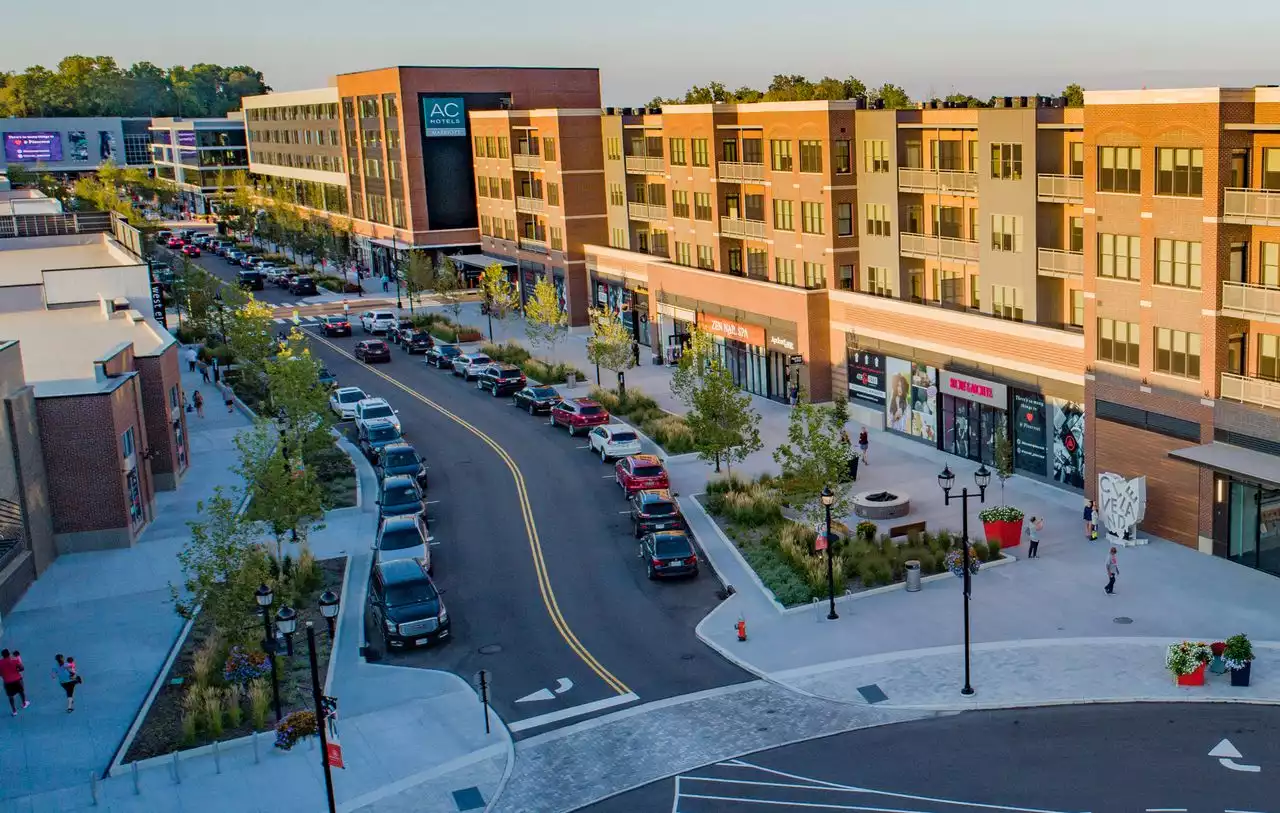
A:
(1269, 531)
(1243, 543)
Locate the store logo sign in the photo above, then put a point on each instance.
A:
(785, 344)
(975, 389)
(444, 116)
(971, 387)
(730, 330)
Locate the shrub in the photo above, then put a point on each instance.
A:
(776, 574)
(981, 550)
(205, 659)
(545, 372)
(466, 333)
(221, 352)
(1237, 651)
(190, 333)
(188, 729)
(1000, 513)
(607, 399)
(259, 703)
(426, 321)
(294, 727)
(510, 352)
(866, 530)
(444, 332)
(722, 485)
(234, 711)
(754, 505)
(993, 552)
(874, 571)
(671, 432)
(211, 707)
(244, 666)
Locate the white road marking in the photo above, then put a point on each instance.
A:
(563, 685)
(1166, 810)
(588, 446)
(280, 321)
(1228, 754)
(573, 711)
(624, 512)
(433, 502)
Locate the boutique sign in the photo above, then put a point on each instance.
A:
(975, 389)
(444, 116)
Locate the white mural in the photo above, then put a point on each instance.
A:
(1121, 506)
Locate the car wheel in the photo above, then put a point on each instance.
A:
(478, 385)
(572, 431)
(603, 457)
(533, 410)
(649, 572)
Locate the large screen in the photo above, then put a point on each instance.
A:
(38, 146)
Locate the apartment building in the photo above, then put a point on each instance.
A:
(295, 149)
(199, 156)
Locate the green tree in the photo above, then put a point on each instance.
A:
(814, 458)
(297, 399)
(249, 334)
(1003, 454)
(20, 175)
(284, 494)
(610, 346)
(341, 248)
(211, 559)
(447, 284)
(1074, 95)
(964, 100)
(894, 97)
(724, 425)
(500, 297)
(419, 276)
(545, 322)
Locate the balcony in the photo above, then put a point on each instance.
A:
(646, 165)
(1245, 301)
(531, 206)
(1251, 207)
(522, 160)
(1059, 188)
(928, 246)
(1054, 262)
(945, 181)
(647, 211)
(1251, 390)
(533, 244)
(738, 171)
(735, 227)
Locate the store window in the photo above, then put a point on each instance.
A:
(911, 399)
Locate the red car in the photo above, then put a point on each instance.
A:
(579, 413)
(191, 250)
(639, 472)
(175, 242)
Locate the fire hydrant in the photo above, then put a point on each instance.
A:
(742, 629)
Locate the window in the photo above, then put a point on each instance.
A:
(1270, 168)
(553, 194)
(393, 170)
(482, 186)
(491, 146)
(504, 147)
(878, 220)
(729, 150)
(510, 229)
(844, 219)
(479, 147)
(548, 148)
(1119, 256)
(617, 197)
(1120, 170)
(1239, 176)
(679, 203)
(486, 227)
(752, 151)
(1177, 353)
(845, 274)
(557, 238)
(1006, 161)
(1179, 171)
(780, 155)
(613, 149)
(1178, 263)
(782, 216)
(699, 152)
(678, 157)
(815, 275)
(1006, 302)
(701, 205)
(948, 155)
(810, 156)
(1075, 234)
(811, 219)
(397, 213)
(393, 139)
(389, 106)
(1269, 356)
(372, 168)
(840, 161)
(1006, 233)
(506, 189)
(1077, 309)
(1076, 165)
(617, 238)
(876, 281)
(1118, 342)
(682, 256)
(875, 155)
(126, 443)
(784, 271)
(706, 259)
(975, 291)
(1269, 265)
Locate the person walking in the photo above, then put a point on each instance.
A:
(1113, 570)
(198, 401)
(204, 372)
(217, 372)
(65, 673)
(385, 282)
(228, 397)
(11, 670)
(1033, 535)
(1090, 532)
(191, 359)
(795, 394)
(863, 444)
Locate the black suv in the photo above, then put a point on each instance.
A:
(501, 379)
(401, 459)
(402, 330)
(376, 434)
(416, 341)
(405, 604)
(669, 553)
(302, 284)
(441, 356)
(251, 280)
(655, 510)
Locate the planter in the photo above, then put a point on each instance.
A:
(1240, 677)
(1007, 532)
(1217, 665)
(1196, 678)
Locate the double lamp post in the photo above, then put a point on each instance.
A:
(947, 479)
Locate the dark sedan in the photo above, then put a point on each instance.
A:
(669, 553)
(302, 285)
(335, 325)
(372, 350)
(654, 510)
(327, 379)
(417, 341)
(536, 399)
(442, 355)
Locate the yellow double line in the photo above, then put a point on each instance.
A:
(531, 529)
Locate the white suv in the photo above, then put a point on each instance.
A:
(371, 408)
(377, 321)
(343, 401)
(614, 441)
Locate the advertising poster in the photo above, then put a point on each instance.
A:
(867, 377)
(30, 147)
(559, 283)
(1029, 449)
(912, 399)
(79, 145)
(187, 138)
(1068, 442)
(106, 145)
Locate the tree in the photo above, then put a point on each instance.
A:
(500, 297)
(249, 334)
(724, 425)
(814, 458)
(964, 100)
(610, 346)
(284, 493)
(447, 284)
(20, 175)
(894, 97)
(419, 275)
(197, 290)
(300, 403)
(1003, 459)
(1074, 95)
(545, 321)
(217, 551)
(340, 245)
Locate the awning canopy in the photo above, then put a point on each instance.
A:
(1228, 459)
(400, 245)
(481, 260)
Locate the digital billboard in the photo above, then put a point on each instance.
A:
(37, 146)
(444, 116)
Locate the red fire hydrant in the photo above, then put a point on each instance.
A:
(742, 629)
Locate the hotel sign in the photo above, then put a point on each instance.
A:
(728, 329)
(444, 116)
(975, 389)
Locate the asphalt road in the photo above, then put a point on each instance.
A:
(1095, 758)
(596, 634)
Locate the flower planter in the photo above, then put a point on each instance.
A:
(1217, 666)
(1240, 677)
(1007, 532)
(1196, 678)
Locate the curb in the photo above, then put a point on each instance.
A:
(733, 548)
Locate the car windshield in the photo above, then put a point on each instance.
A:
(420, 335)
(590, 410)
(399, 495)
(660, 508)
(671, 546)
(400, 459)
(623, 437)
(400, 595)
(335, 319)
(348, 397)
(480, 360)
(383, 433)
(542, 392)
(509, 373)
(647, 471)
(378, 411)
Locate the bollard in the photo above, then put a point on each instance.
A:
(177, 776)
(217, 758)
(93, 786)
(136, 790)
(256, 758)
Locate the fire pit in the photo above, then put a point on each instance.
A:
(881, 505)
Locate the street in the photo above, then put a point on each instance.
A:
(1099, 758)
(536, 559)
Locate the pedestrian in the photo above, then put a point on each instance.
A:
(385, 282)
(1090, 532)
(1113, 570)
(1033, 534)
(191, 359)
(198, 401)
(68, 678)
(795, 394)
(863, 444)
(228, 397)
(11, 670)
(216, 371)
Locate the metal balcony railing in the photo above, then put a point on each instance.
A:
(645, 165)
(736, 227)
(533, 206)
(944, 181)
(522, 160)
(739, 171)
(54, 224)
(533, 244)
(925, 246)
(1054, 262)
(1246, 301)
(647, 211)
(1251, 207)
(1251, 390)
(1059, 188)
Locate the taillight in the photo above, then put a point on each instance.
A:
(656, 562)
(692, 560)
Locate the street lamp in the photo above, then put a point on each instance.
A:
(329, 608)
(827, 499)
(287, 623)
(264, 597)
(946, 479)
(395, 267)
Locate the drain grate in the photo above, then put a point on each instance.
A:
(468, 799)
(1124, 619)
(872, 694)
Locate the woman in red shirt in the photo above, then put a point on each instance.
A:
(11, 674)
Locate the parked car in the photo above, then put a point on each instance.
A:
(669, 553)
(400, 496)
(469, 365)
(639, 472)
(536, 399)
(282, 279)
(577, 414)
(326, 378)
(403, 536)
(371, 408)
(335, 325)
(303, 285)
(401, 459)
(405, 605)
(343, 401)
(372, 350)
(419, 341)
(175, 242)
(441, 355)
(501, 379)
(249, 260)
(233, 256)
(251, 280)
(191, 250)
(613, 441)
(375, 434)
(202, 239)
(162, 237)
(272, 273)
(402, 329)
(654, 509)
(377, 322)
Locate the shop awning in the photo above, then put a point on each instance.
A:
(400, 245)
(1237, 460)
(481, 260)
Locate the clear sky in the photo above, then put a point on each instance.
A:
(652, 47)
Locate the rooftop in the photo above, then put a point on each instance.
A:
(74, 268)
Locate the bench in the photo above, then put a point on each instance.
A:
(907, 530)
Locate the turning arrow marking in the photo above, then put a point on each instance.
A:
(562, 685)
(1228, 754)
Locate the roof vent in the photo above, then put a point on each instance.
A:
(118, 304)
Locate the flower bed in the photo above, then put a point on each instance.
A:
(337, 477)
(669, 431)
(540, 370)
(446, 330)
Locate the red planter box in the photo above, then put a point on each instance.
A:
(1196, 678)
(1008, 534)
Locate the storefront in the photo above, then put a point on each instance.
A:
(973, 411)
(675, 326)
(1048, 438)
(1253, 520)
(743, 349)
(1246, 499)
(628, 301)
(911, 399)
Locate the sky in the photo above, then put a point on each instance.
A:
(661, 47)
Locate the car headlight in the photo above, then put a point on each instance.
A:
(443, 618)
(390, 625)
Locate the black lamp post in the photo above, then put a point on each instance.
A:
(329, 608)
(946, 479)
(395, 267)
(264, 597)
(827, 499)
(287, 623)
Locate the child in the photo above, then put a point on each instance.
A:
(1090, 532)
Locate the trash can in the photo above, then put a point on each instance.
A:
(913, 575)
(853, 467)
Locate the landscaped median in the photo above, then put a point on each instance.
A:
(668, 430)
(446, 329)
(539, 370)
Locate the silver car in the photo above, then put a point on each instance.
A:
(469, 365)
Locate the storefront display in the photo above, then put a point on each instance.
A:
(911, 404)
(973, 411)
(742, 349)
(867, 377)
(1068, 442)
(1030, 450)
